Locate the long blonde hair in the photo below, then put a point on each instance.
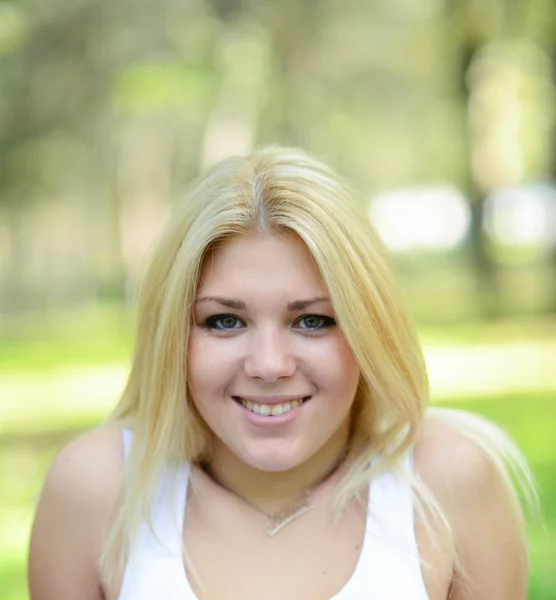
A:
(276, 189)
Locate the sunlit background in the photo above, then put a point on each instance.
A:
(441, 112)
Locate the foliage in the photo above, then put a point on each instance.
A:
(109, 109)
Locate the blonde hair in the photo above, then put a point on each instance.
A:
(277, 190)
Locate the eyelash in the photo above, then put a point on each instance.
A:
(211, 323)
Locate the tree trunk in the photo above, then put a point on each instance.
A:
(485, 269)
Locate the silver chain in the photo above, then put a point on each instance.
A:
(280, 518)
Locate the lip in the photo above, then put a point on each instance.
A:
(266, 421)
(271, 400)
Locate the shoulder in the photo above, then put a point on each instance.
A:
(87, 472)
(74, 511)
(446, 455)
(88, 469)
(460, 458)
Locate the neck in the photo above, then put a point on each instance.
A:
(272, 490)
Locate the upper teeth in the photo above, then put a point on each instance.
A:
(267, 409)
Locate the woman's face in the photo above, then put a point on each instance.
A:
(268, 368)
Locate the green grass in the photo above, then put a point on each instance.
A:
(40, 342)
(44, 415)
(24, 462)
(97, 335)
(530, 418)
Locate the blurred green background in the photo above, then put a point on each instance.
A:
(441, 112)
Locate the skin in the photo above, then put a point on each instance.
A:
(269, 351)
(281, 341)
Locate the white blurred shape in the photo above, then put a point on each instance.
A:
(436, 218)
(522, 216)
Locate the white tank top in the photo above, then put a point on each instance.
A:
(388, 567)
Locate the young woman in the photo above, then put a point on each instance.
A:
(273, 440)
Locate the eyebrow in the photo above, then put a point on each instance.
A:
(239, 305)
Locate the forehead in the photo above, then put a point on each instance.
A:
(262, 263)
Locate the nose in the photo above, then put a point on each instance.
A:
(269, 356)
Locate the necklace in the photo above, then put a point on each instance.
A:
(280, 518)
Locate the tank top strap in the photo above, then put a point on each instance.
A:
(168, 507)
(155, 565)
(127, 439)
(391, 508)
(389, 563)
(391, 529)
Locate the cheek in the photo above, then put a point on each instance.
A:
(346, 358)
(200, 369)
(210, 363)
(200, 364)
(336, 367)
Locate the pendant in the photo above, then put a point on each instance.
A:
(279, 521)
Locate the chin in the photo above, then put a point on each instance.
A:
(272, 461)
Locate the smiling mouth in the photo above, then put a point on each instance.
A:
(270, 410)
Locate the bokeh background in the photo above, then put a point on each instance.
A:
(441, 112)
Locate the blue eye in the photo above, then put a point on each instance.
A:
(223, 322)
(315, 322)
